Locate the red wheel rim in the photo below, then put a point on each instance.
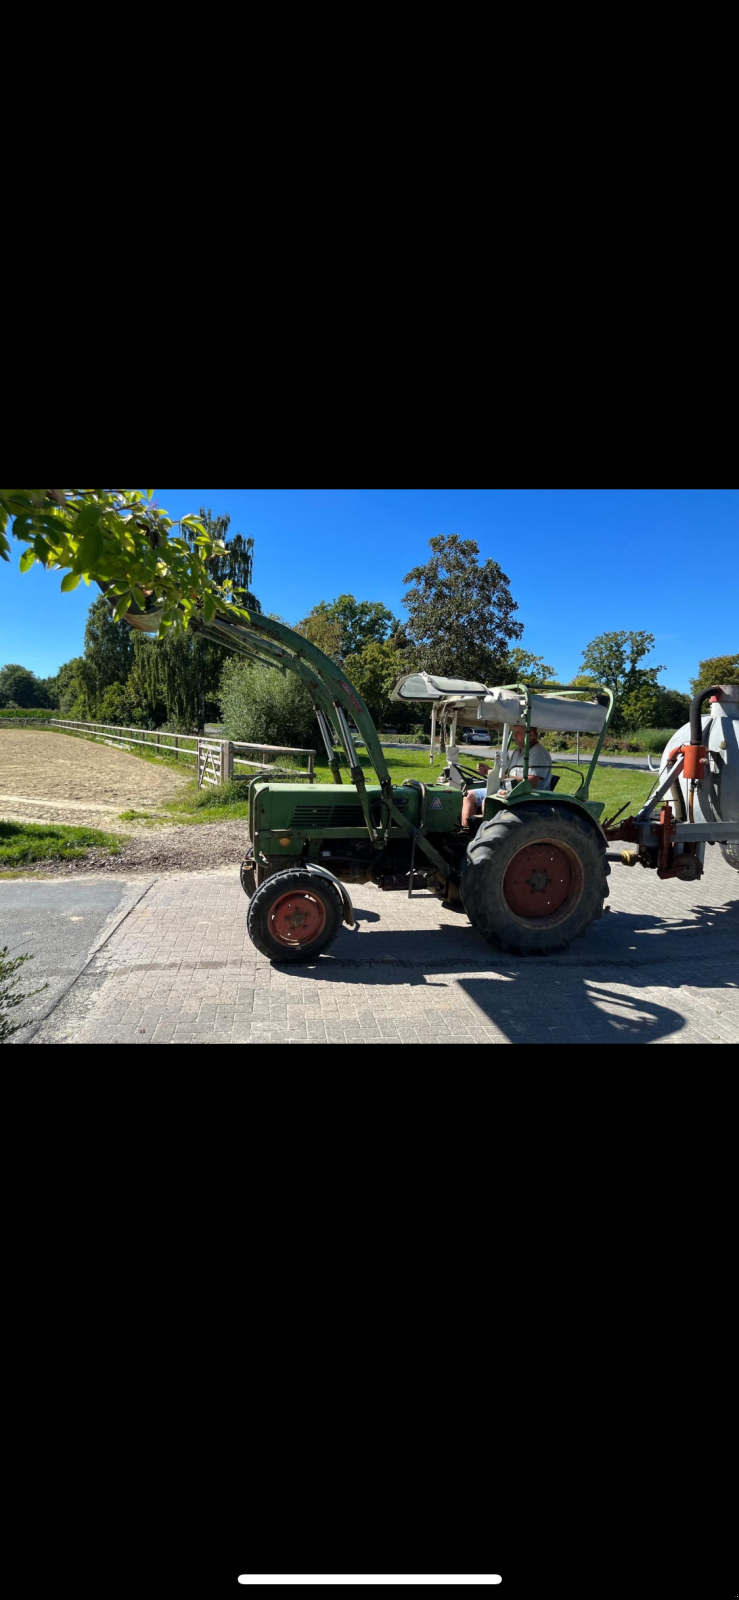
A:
(538, 880)
(297, 918)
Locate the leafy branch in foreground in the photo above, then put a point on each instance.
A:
(118, 538)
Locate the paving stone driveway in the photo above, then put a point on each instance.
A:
(662, 968)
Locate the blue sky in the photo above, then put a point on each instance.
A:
(580, 562)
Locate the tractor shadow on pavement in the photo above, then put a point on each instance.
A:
(601, 990)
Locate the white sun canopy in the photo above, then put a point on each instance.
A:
(501, 707)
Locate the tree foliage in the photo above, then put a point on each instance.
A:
(121, 539)
(321, 630)
(68, 686)
(20, 687)
(523, 667)
(177, 679)
(717, 669)
(357, 623)
(231, 567)
(375, 672)
(108, 656)
(460, 613)
(266, 705)
(614, 659)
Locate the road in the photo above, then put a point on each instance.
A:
(659, 968)
(59, 924)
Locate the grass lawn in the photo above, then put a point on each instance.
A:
(615, 786)
(23, 842)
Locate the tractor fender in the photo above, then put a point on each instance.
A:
(312, 866)
(569, 803)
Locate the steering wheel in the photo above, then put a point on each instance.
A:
(471, 779)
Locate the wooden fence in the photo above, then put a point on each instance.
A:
(170, 744)
(308, 772)
(214, 758)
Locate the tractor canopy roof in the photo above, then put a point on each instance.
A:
(567, 707)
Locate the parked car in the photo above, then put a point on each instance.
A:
(475, 736)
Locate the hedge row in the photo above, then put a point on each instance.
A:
(29, 714)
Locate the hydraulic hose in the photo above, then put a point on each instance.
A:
(696, 727)
(695, 754)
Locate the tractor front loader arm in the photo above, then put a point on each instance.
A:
(263, 639)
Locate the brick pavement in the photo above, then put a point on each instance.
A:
(662, 967)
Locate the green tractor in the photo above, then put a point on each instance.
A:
(530, 872)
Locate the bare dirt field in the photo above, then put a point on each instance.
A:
(52, 777)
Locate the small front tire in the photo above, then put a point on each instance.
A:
(294, 915)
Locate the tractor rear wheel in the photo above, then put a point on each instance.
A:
(294, 915)
(534, 878)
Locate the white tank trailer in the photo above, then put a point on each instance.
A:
(712, 797)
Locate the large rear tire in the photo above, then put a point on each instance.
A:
(294, 915)
(534, 878)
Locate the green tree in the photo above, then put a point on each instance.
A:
(375, 672)
(360, 622)
(177, 679)
(321, 630)
(117, 706)
(614, 659)
(231, 567)
(264, 704)
(51, 692)
(344, 626)
(523, 667)
(108, 656)
(672, 708)
(20, 687)
(460, 613)
(69, 686)
(717, 669)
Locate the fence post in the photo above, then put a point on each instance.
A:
(578, 748)
(177, 747)
(227, 761)
(311, 765)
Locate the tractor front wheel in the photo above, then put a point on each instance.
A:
(534, 878)
(294, 915)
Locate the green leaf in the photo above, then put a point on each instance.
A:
(209, 607)
(27, 559)
(122, 607)
(149, 493)
(70, 582)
